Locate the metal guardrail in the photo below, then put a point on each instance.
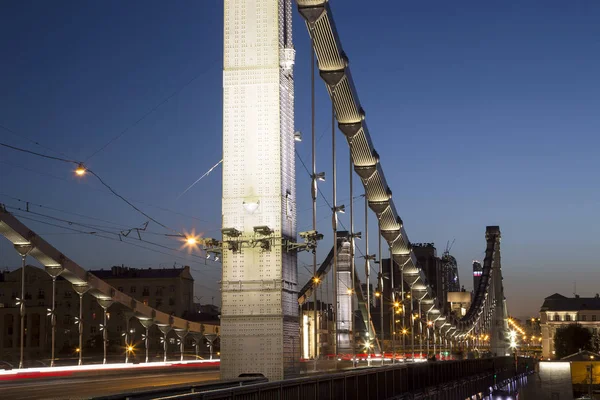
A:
(433, 380)
(184, 389)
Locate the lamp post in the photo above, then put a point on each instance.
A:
(165, 329)
(23, 250)
(80, 289)
(181, 333)
(105, 303)
(211, 337)
(54, 272)
(146, 323)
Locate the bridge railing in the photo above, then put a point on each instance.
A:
(452, 379)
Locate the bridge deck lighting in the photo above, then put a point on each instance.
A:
(316, 279)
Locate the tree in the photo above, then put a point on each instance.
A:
(572, 339)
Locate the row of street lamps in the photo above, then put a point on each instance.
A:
(24, 249)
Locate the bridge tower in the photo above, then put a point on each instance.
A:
(499, 343)
(259, 317)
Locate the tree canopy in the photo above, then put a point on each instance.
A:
(571, 339)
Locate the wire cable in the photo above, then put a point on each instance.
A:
(108, 193)
(151, 111)
(20, 135)
(97, 177)
(131, 204)
(199, 179)
(39, 154)
(130, 242)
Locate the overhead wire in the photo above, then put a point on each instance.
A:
(35, 153)
(149, 112)
(199, 179)
(61, 211)
(20, 135)
(114, 192)
(108, 193)
(131, 242)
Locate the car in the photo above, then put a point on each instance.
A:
(504, 395)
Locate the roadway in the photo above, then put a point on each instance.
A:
(85, 388)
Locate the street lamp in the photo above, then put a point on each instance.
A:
(81, 290)
(104, 303)
(23, 250)
(54, 272)
(80, 170)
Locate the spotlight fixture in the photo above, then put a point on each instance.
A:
(263, 230)
(231, 232)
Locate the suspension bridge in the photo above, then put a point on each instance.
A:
(262, 297)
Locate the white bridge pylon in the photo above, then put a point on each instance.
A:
(19, 234)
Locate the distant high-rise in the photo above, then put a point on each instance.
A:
(451, 271)
(427, 258)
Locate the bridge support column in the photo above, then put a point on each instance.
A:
(146, 323)
(499, 344)
(128, 315)
(211, 337)
(54, 272)
(165, 329)
(80, 289)
(259, 315)
(23, 250)
(181, 333)
(105, 303)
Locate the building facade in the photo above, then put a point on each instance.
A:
(168, 290)
(559, 311)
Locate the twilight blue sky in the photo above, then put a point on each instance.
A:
(482, 113)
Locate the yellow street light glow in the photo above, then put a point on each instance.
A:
(377, 294)
(396, 304)
(429, 323)
(77, 350)
(130, 348)
(349, 291)
(80, 171)
(404, 331)
(190, 240)
(316, 279)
